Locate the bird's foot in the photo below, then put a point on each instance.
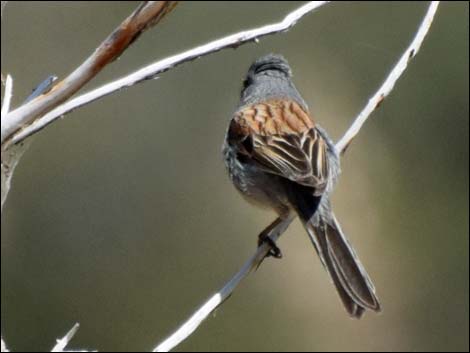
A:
(274, 251)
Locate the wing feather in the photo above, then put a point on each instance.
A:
(289, 159)
(281, 137)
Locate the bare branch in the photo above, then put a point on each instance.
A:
(7, 96)
(209, 306)
(147, 14)
(63, 342)
(185, 330)
(12, 155)
(5, 169)
(4, 347)
(376, 100)
(150, 71)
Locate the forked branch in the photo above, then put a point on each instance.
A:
(145, 16)
(152, 70)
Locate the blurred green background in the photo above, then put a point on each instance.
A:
(122, 217)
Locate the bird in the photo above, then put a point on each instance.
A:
(279, 158)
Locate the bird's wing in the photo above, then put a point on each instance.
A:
(281, 137)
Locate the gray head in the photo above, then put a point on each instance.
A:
(269, 65)
(269, 77)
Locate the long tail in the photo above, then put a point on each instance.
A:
(349, 277)
(338, 257)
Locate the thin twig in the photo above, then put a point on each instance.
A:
(150, 71)
(4, 347)
(5, 169)
(8, 164)
(63, 342)
(377, 99)
(209, 306)
(185, 330)
(146, 15)
(7, 96)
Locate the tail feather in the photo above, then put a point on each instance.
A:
(348, 265)
(350, 279)
(338, 257)
(338, 279)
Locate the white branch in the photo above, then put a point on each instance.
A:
(185, 330)
(4, 347)
(7, 96)
(147, 14)
(209, 306)
(6, 167)
(150, 71)
(63, 342)
(376, 100)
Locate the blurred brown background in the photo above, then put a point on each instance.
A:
(122, 218)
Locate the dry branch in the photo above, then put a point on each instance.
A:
(146, 15)
(150, 71)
